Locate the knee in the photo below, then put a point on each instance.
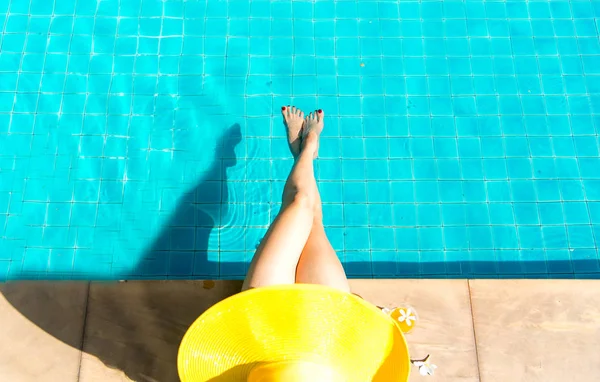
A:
(303, 200)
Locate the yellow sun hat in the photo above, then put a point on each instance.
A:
(293, 333)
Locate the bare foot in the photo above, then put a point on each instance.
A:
(293, 119)
(313, 125)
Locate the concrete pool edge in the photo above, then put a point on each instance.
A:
(474, 329)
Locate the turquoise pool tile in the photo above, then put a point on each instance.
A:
(451, 191)
(505, 237)
(407, 263)
(405, 214)
(483, 263)
(385, 267)
(35, 260)
(181, 263)
(231, 264)
(530, 237)
(4, 269)
(419, 99)
(454, 214)
(473, 191)
(551, 213)
(458, 263)
(379, 215)
(501, 213)
(576, 213)
(519, 168)
(567, 168)
(354, 192)
(331, 192)
(480, 237)
(203, 268)
(559, 261)
(498, 191)
(429, 215)
(509, 262)
(596, 231)
(352, 147)
(401, 169)
(356, 238)
(426, 191)
(407, 239)
(358, 263)
(430, 238)
(455, 238)
(59, 237)
(527, 213)
(588, 167)
(356, 215)
(382, 238)
(379, 192)
(544, 168)
(585, 260)
(594, 210)
(425, 169)
(534, 262)
(433, 263)
(523, 191)
(580, 236)
(555, 236)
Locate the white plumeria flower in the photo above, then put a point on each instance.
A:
(425, 367)
(407, 316)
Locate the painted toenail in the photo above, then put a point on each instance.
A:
(320, 111)
(283, 108)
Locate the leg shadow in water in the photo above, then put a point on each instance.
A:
(183, 245)
(135, 328)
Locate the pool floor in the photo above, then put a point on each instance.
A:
(142, 138)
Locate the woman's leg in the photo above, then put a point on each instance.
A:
(318, 262)
(277, 256)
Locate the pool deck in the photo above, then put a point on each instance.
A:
(475, 330)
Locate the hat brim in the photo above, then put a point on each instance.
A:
(303, 322)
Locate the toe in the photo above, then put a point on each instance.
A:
(293, 110)
(284, 110)
(320, 114)
(301, 114)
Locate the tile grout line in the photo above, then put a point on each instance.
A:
(85, 315)
(474, 334)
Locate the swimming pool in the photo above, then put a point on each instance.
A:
(142, 138)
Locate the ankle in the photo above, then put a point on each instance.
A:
(310, 142)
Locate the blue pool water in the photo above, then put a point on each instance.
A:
(142, 138)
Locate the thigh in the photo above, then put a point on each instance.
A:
(276, 258)
(319, 263)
